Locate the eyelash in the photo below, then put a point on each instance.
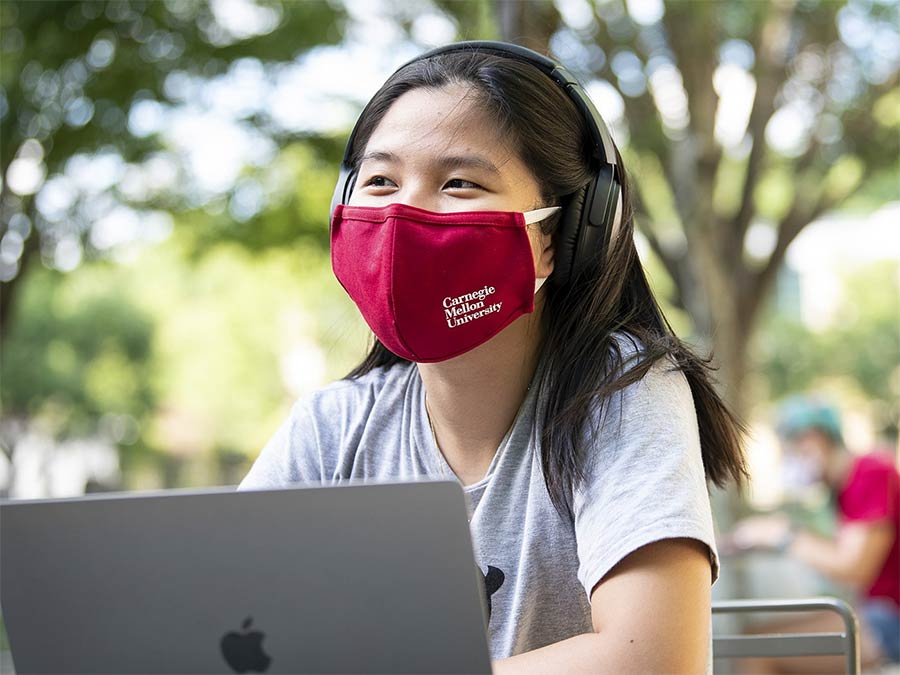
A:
(372, 180)
(468, 185)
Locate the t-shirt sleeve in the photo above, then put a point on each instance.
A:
(874, 493)
(291, 455)
(645, 480)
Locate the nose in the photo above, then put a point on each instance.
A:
(418, 193)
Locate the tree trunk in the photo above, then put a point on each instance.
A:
(509, 19)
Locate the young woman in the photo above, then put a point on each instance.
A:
(482, 224)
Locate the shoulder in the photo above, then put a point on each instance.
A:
(323, 427)
(662, 393)
(872, 490)
(357, 395)
(876, 462)
(627, 352)
(635, 397)
(341, 414)
(647, 426)
(873, 469)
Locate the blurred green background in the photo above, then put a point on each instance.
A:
(167, 168)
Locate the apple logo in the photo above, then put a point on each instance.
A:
(243, 651)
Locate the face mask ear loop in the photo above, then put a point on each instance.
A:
(539, 214)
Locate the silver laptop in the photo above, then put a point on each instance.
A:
(351, 579)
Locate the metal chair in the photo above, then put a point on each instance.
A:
(845, 643)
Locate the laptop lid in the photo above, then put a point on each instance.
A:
(351, 579)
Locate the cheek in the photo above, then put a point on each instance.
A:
(358, 198)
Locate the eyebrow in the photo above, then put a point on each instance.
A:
(445, 162)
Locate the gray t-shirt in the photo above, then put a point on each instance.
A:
(645, 483)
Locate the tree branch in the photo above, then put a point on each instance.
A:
(694, 36)
(694, 40)
(771, 51)
(789, 227)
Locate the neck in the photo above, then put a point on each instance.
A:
(838, 468)
(472, 400)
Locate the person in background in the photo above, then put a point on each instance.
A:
(864, 553)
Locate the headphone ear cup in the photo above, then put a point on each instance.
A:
(599, 211)
(568, 234)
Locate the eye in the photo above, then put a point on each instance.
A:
(461, 184)
(379, 182)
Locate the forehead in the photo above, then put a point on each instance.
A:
(447, 120)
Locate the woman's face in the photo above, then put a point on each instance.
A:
(436, 149)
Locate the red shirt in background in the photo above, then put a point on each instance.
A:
(872, 494)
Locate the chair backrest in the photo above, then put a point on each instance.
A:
(845, 643)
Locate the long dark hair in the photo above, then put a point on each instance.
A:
(584, 363)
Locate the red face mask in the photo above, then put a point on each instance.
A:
(430, 285)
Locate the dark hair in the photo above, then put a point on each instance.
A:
(584, 364)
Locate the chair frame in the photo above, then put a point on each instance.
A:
(845, 643)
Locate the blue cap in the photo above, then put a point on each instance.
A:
(801, 413)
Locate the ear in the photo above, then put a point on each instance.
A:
(544, 255)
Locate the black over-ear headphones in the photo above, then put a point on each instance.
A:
(592, 215)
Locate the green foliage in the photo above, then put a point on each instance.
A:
(298, 185)
(48, 63)
(193, 351)
(775, 192)
(72, 73)
(78, 350)
(844, 177)
(859, 352)
(727, 192)
(475, 18)
(663, 288)
(886, 110)
(648, 173)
